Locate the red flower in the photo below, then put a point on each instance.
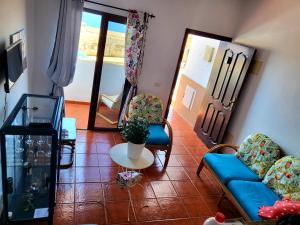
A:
(262, 144)
(288, 165)
(288, 175)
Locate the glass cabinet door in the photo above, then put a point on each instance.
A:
(28, 160)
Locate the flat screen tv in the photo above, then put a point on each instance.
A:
(14, 64)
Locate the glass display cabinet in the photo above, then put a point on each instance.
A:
(29, 154)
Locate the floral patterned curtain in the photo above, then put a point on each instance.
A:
(137, 24)
(135, 43)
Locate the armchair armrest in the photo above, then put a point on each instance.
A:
(217, 148)
(170, 131)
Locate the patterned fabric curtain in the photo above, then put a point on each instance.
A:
(137, 24)
(135, 43)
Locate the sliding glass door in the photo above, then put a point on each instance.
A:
(109, 76)
(78, 93)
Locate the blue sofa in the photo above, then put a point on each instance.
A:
(240, 184)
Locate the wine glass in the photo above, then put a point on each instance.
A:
(19, 161)
(30, 156)
(40, 157)
(30, 142)
(41, 141)
(35, 185)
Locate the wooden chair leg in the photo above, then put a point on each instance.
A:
(200, 167)
(167, 157)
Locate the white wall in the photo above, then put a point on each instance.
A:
(196, 67)
(166, 33)
(164, 36)
(81, 87)
(270, 100)
(14, 15)
(112, 80)
(45, 14)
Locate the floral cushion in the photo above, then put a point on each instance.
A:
(280, 209)
(146, 106)
(284, 177)
(259, 153)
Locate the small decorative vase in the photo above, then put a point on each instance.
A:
(134, 151)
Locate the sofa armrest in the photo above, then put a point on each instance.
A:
(217, 148)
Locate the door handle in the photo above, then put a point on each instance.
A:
(232, 103)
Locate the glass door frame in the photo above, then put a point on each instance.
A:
(106, 18)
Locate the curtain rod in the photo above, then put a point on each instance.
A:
(114, 7)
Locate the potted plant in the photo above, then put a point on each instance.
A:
(136, 132)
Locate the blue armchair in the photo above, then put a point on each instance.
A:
(151, 108)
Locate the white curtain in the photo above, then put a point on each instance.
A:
(63, 61)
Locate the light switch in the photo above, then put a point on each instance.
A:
(256, 67)
(156, 84)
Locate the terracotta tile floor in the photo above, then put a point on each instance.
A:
(80, 111)
(172, 197)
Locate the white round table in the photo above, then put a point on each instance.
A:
(118, 154)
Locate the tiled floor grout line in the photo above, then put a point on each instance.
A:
(104, 203)
(74, 183)
(103, 190)
(130, 200)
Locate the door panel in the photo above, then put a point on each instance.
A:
(227, 76)
(112, 77)
(217, 127)
(209, 114)
(222, 76)
(229, 92)
(109, 77)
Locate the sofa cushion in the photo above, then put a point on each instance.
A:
(259, 152)
(157, 135)
(252, 195)
(284, 177)
(146, 106)
(228, 167)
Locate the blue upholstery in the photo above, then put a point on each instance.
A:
(252, 195)
(228, 167)
(157, 135)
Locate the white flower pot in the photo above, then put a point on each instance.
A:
(134, 151)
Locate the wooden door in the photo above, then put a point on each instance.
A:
(227, 76)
